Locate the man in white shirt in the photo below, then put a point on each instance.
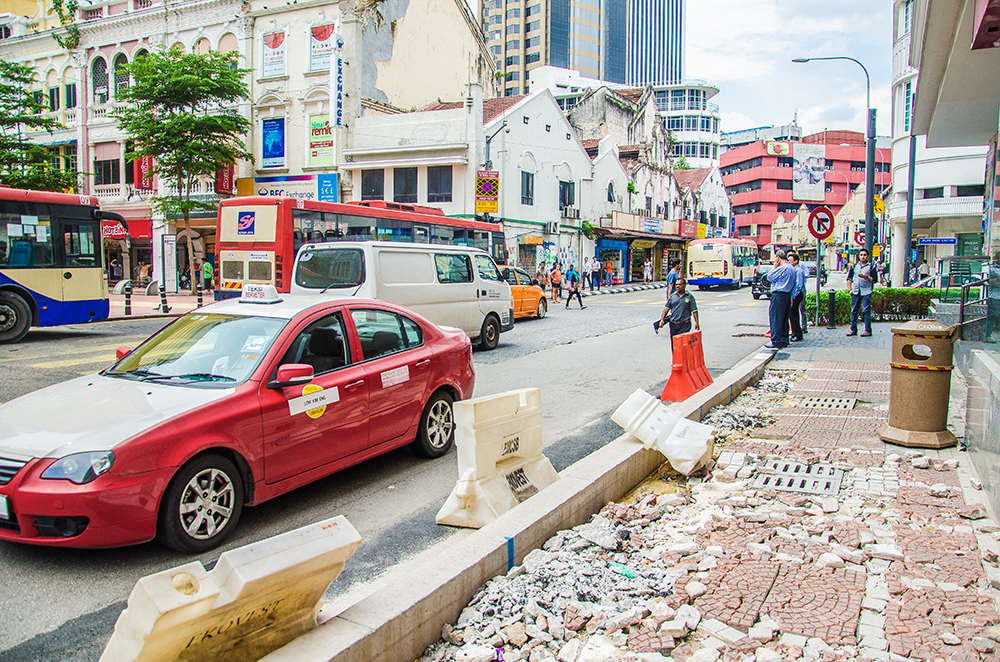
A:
(585, 271)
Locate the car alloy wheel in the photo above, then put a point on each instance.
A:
(202, 505)
(206, 504)
(437, 427)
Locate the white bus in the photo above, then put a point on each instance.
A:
(721, 262)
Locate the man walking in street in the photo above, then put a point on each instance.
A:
(861, 282)
(673, 275)
(573, 286)
(542, 276)
(680, 308)
(782, 278)
(798, 295)
(585, 274)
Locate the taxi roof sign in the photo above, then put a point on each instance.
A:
(259, 293)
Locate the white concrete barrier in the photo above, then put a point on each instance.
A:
(687, 444)
(256, 599)
(500, 461)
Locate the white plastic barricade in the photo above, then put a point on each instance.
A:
(256, 599)
(687, 444)
(500, 461)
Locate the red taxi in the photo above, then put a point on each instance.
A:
(230, 405)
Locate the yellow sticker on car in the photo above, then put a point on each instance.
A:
(313, 401)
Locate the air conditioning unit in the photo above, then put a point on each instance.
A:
(569, 212)
(552, 227)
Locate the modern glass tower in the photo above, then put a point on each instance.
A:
(655, 42)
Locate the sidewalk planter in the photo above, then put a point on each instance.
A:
(921, 383)
(888, 304)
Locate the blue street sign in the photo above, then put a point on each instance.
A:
(937, 241)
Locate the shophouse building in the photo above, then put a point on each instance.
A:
(759, 178)
(947, 174)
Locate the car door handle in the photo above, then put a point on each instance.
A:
(423, 364)
(350, 386)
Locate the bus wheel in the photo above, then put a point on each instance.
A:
(15, 317)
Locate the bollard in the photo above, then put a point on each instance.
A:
(128, 298)
(163, 300)
(831, 312)
(199, 295)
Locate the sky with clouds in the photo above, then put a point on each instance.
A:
(745, 48)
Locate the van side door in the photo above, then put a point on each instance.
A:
(493, 291)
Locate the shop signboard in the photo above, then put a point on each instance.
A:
(337, 81)
(289, 186)
(652, 225)
(328, 188)
(688, 228)
(702, 231)
(113, 230)
(225, 177)
(142, 173)
(936, 241)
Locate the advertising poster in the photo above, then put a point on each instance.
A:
(273, 55)
(329, 191)
(142, 173)
(809, 172)
(322, 39)
(320, 140)
(273, 139)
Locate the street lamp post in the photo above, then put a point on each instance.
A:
(870, 156)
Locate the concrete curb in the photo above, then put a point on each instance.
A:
(401, 619)
(659, 285)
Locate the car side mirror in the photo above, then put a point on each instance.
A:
(292, 374)
(122, 352)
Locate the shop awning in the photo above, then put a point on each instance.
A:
(618, 233)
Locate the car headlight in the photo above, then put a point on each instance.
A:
(80, 468)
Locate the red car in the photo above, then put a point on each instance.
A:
(230, 405)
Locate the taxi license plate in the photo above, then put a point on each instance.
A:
(4, 510)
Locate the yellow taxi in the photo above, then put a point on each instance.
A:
(529, 298)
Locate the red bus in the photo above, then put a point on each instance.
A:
(257, 237)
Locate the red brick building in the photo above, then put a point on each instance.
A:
(758, 179)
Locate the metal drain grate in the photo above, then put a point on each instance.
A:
(790, 476)
(829, 403)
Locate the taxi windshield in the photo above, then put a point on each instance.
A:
(203, 349)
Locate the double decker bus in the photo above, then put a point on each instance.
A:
(721, 262)
(51, 261)
(257, 237)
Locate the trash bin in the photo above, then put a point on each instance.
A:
(921, 384)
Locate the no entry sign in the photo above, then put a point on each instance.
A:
(821, 222)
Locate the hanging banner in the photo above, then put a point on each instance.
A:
(337, 82)
(273, 55)
(224, 179)
(273, 139)
(322, 42)
(142, 173)
(809, 172)
(320, 140)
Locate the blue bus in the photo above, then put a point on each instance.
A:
(51, 261)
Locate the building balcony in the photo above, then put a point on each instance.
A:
(938, 208)
(111, 8)
(901, 59)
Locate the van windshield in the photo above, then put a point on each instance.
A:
(333, 268)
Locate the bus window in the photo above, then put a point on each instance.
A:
(26, 241)
(421, 234)
(80, 245)
(315, 237)
(359, 228)
(297, 240)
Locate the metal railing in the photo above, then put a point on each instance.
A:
(981, 286)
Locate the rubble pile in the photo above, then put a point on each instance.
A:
(718, 570)
(752, 409)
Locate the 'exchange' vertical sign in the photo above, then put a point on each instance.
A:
(337, 82)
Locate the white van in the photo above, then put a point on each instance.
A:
(449, 285)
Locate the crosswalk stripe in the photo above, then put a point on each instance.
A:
(103, 359)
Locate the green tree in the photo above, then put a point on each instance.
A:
(182, 110)
(23, 163)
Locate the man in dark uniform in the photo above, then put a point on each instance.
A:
(680, 308)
